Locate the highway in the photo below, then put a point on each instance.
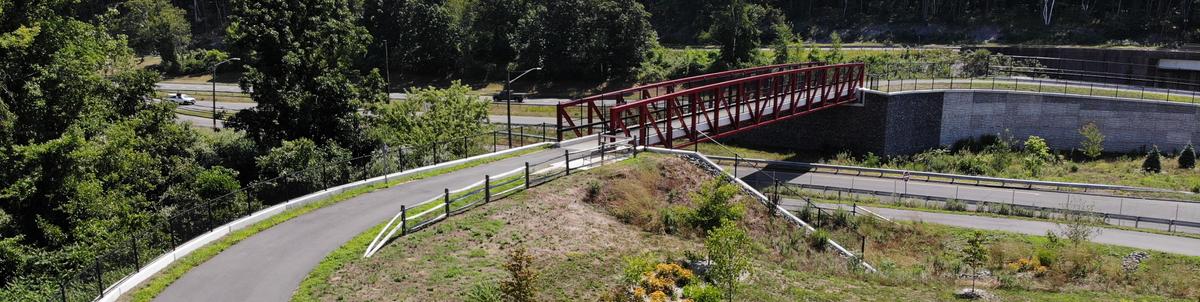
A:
(199, 90)
(1140, 240)
(1172, 210)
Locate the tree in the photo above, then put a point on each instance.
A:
(494, 27)
(421, 34)
(301, 72)
(427, 117)
(588, 39)
(522, 277)
(1153, 163)
(1187, 158)
(152, 26)
(305, 167)
(1093, 141)
(734, 28)
(975, 254)
(728, 247)
(1037, 153)
(715, 205)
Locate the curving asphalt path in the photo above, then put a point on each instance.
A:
(270, 265)
(1134, 239)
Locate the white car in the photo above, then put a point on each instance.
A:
(181, 99)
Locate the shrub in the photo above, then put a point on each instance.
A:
(818, 240)
(1187, 158)
(306, 166)
(520, 287)
(484, 292)
(635, 266)
(1093, 141)
(954, 205)
(1153, 162)
(715, 205)
(702, 293)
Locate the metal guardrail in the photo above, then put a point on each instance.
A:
(772, 204)
(942, 177)
(1172, 224)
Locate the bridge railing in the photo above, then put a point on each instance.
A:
(911, 76)
(584, 116)
(744, 102)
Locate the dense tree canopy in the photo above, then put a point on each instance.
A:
(301, 72)
(422, 36)
(87, 160)
(588, 39)
(152, 26)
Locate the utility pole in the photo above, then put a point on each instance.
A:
(387, 67)
(507, 94)
(214, 91)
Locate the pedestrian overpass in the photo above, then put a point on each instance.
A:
(682, 112)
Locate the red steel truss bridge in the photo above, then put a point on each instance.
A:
(682, 112)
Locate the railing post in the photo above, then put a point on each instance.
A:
(527, 175)
(99, 277)
(567, 155)
(403, 220)
(62, 290)
(136, 255)
(487, 188)
(494, 141)
(446, 199)
(737, 161)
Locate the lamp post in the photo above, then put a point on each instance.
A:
(214, 91)
(507, 93)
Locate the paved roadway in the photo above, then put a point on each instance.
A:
(198, 90)
(270, 265)
(1134, 239)
(1185, 211)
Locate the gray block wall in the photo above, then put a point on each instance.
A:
(911, 122)
(1128, 125)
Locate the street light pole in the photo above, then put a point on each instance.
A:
(508, 80)
(214, 91)
(387, 67)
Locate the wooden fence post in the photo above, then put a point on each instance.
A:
(446, 198)
(487, 188)
(403, 220)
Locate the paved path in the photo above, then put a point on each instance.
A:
(1185, 211)
(1134, 239)
(270, 265)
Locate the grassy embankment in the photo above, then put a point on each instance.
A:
(585, 232)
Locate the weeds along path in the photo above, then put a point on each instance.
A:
(270, 265)
(1134, 239)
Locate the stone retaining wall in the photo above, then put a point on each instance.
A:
(911, 122)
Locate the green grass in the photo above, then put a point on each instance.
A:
(196, 113)
(580, 244)
(151, 288)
